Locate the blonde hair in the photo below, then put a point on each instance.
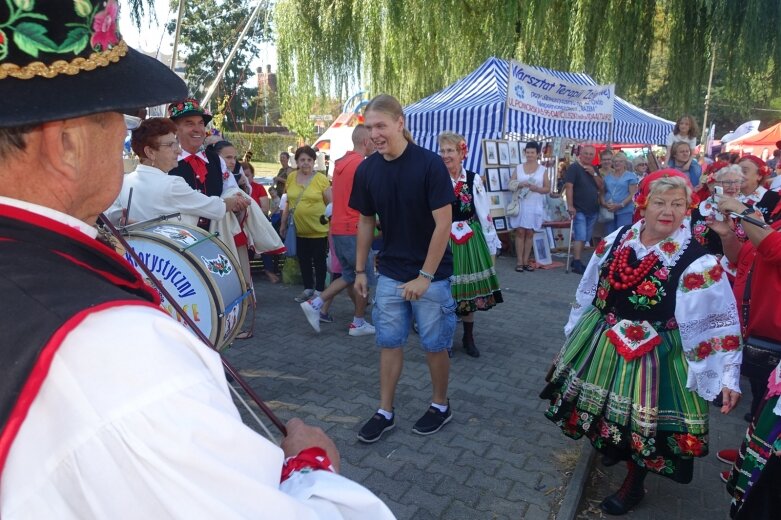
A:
(389, 105)
(450, 138)
(676, 145)
(672, 182)
(640, 159)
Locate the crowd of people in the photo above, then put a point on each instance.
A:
(676, 302)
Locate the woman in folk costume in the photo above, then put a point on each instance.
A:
(652, 337)
(473, 240)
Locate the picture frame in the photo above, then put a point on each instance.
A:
(515, 156)
(492, 179)
(500, 223)
(541, 248)
(491, 153)
(495, 201)
(504, 153)
(521, 151)
(504, 179)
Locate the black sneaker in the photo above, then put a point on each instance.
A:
(375, 427)
(578, 267)
(433, 420)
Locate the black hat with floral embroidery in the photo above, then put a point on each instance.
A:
(61, 59)
(188, 107)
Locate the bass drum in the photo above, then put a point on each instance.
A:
(199, 272)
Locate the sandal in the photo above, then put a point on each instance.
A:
(528, 267)
(244, 335)
(518, 268)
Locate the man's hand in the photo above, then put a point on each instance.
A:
(361, 285)
(730, 399)
(237, 203)
(300, 437)
(571, 210)
(413, 290)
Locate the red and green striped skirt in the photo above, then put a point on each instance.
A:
(474, 284)
(637, 410)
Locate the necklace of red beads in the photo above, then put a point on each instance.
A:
(622, 276)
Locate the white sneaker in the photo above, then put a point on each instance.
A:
(364, 330)
(312, 315)
(304, 296)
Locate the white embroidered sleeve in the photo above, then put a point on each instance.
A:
(587, 288)
(708, 322)
(480, 198)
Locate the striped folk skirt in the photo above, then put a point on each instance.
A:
(637, 410)
(474, 284)
(750, 500)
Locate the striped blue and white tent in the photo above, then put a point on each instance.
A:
(474, 106)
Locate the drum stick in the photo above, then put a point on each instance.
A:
(127, 210)
(750, 220)
(197, 331)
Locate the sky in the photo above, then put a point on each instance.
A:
(153, 35)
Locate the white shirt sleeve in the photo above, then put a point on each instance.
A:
(184, 199)
(114, 213)
(587, 289)
(142, 425)
(228, 180)
(480, 198)
(707, 317)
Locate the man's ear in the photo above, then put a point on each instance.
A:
(62, 147)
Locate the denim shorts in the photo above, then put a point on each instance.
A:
(434, 312)
(344, 249)
(583, 226)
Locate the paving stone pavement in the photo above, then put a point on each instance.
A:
(496, 459)
(499, 458)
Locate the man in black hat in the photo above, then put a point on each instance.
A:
(108, 407)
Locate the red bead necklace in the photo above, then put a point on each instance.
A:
(622, 276)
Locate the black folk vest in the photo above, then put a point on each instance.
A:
(51, 278)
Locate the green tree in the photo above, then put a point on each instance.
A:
(415, 47)
(209, 30)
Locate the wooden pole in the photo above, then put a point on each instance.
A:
(707, 98)
(177, 33)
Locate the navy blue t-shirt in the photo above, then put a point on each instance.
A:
(404, 192)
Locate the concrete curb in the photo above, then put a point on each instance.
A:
(569, 505)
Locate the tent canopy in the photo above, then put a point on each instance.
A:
(765, 139)
(474, 106)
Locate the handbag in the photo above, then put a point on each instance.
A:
(605, 215)
(760, 355)
(514, 207)
(290, 235)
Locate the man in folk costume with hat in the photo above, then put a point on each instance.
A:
(97, 419)
(204, 170)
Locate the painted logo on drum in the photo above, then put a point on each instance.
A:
(176, 233)
(220, 265)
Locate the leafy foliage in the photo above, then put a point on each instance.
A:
(656, 51)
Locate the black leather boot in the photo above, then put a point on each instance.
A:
(629, 494)
(468, 341)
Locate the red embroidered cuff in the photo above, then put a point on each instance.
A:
(310, 459)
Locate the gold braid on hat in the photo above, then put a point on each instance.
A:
(76, 65)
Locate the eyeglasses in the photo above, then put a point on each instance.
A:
(132, 122)
(172, 144)
(729, 183)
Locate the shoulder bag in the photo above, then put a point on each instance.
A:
(760, 355)
(290, 236)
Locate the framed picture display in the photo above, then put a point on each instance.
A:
(504, 153)
(492, 178)
(491, 154)
(521, 151)
(541, 248)
(504, 178)
(515, 155)
(495, 201)
(500, 223)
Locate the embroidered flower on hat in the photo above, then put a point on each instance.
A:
(105, 26)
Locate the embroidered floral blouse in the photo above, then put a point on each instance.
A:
(479, 199)
(705, 309)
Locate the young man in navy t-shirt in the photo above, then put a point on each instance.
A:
(409, 188)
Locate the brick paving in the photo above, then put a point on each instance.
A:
(498, 458)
